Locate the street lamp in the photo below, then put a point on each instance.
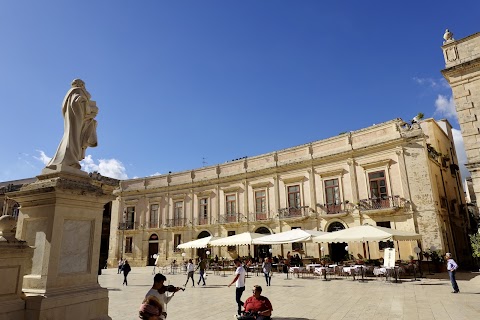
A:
(321, 252)
(270, 250)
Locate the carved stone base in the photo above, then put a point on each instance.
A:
(91, 303)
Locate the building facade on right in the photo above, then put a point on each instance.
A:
(462, 71)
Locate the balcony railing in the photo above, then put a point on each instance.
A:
(293, 212)
(230, 218)
(179, 222)
(390, 202)
(153, 224)
(126, 225)
(260, 216)
(334, 208)
(202, 221)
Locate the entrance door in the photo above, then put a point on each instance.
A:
(152, 249)
(262, 250)
(337, 250)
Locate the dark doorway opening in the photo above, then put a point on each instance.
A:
(262, 250)
(202, 252)
(152, 249)
(337, 250)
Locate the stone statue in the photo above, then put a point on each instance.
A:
(80, 128)
(448, 37)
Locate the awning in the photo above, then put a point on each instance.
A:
(294, 235)
(367, 233)
(199, 243)
(241, 239)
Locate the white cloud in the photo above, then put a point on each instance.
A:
(156, 174)
(440, 83)
(461, 154)
(445, 106)
(43, 157)
(112, 168)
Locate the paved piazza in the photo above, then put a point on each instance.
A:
(302, 299)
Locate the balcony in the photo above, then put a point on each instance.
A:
(126, 225)
(202, 221)
(230, 218)
(335, 208)
(293, 212)
(260, 216)
(179, 222)
(153, 224)
(385, 203)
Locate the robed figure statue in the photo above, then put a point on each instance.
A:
(80, 128)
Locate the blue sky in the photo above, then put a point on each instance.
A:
(183, 82)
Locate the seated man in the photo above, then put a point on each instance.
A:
(258, 305)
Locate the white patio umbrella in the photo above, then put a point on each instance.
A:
(294, 235)
(367, 233)
(241, 239)
(199, 243)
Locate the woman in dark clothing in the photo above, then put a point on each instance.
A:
(126, 271)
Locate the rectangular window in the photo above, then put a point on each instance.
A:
(231, 233)
(384, 244)
(153, 216)
(332, 196)
(177, 238)
(130, 217)
(178, 210)
(260, 201)
(231, 211)
(294, 196)
(128, 244)
(378, 185)
(203, 212)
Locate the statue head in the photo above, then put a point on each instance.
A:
(78, 83)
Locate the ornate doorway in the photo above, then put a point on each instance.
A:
(202, 252)
(152, 249)
(262, 250)
(337, 250)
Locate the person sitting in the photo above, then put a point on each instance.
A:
(150, 309)
(257, 306)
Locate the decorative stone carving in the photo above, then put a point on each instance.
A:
(80, 129)
(448, 37)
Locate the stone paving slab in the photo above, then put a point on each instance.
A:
(304, 298)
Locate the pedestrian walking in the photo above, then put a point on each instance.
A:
(239, 281)
(190, 271)
(267, 271)
(202, 265)
(126, 270)
(452, 267)
(120, 266)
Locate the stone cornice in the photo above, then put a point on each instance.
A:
(293, 179)
(376, 164)
(330, 173)
(258, 185)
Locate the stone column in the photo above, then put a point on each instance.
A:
(462, 71)
(15, 259)
(61, 216)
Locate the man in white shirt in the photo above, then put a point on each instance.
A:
(452, 270)
(239, 281)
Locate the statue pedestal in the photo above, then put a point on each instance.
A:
(14, 260)
(61, 216)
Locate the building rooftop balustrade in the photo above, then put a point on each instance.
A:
(126, 225)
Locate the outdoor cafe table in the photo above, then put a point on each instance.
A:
(353, 269)
(311, 267)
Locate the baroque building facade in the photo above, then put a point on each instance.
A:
(391, 174)
(462, 71)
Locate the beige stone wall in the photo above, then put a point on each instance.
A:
(399, 150)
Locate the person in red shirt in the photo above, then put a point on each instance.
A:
(258, 304)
